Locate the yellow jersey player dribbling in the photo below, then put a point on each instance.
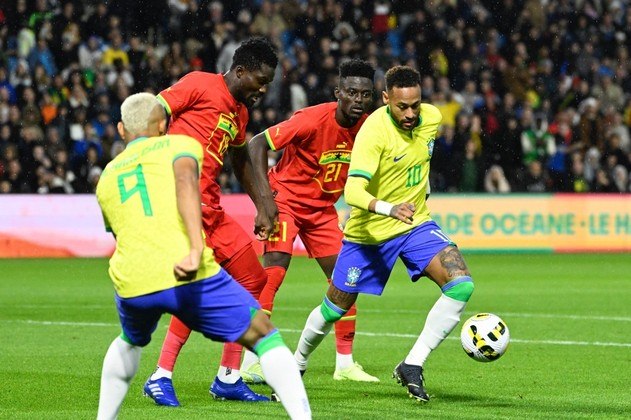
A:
(387, 187)
(149, 196)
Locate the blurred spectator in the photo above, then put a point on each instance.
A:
(499, 71)
(620, 177)
(90, 53)
(591, 128)
(495, 181)
(603, 183)
(537, 143)
(447, 149)
(41, 54)
(268, 20)
(97, 22)
(119, 72)
(470, 169)
(115, 50)
(592, 164)
(577, 175)
(536, 179)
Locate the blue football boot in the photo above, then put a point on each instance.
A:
(161, 391)
(238, 391)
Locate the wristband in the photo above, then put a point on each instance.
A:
(383, 208)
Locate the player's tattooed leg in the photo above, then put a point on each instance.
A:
(341, 299)
(452, 261)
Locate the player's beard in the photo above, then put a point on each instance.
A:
(352, 119)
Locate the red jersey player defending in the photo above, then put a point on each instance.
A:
(212, 109)
(306, 183)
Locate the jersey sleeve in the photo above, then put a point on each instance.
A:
(431, 116)
(188, 147)
(355, 193)
(108, 227)
(295, 129)
(184, 93)
(366, 152)
(99, 199)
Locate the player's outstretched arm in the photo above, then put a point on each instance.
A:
(189, 206)
(254, 182)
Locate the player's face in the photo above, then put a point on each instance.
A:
(354, 99)
(253, 83)
(404, 104)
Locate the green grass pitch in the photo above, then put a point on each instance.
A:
(570, 354)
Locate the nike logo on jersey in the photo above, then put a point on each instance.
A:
(398, 158)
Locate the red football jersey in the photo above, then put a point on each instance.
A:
(317, 151)
(201, 106)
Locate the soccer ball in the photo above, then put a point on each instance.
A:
(484, 337)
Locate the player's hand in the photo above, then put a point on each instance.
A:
(186, 270)
(403, 212)
(265, 221)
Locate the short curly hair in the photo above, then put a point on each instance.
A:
(253, 53)
(402, 76)
(357, 68)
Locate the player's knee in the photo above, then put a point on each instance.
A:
(260, 326)
(138, 341)
(330, 311)
(460, 288)
(268, 342)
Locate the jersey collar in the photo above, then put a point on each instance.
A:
(137, 140)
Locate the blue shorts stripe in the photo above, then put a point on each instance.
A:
(333, 306)
(455, 282)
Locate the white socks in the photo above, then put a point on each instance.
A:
(441, 320)
(161, 373)
(228, 375)
(281, 373)
(249, 359)
(343, 361)
(119, 367)
(312, 335)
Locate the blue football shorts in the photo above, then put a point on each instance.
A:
(364, 268)
(218, 307)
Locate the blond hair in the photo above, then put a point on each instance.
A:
(136, 112)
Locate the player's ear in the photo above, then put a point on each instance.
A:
(121, 130)
(384, 97)
(162, 126)
(336, 92)
(239, 70)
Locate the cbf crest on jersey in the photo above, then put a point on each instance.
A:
(430, 146)
(352, 275)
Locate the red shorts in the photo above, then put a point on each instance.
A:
(319, 230)
(223, 234)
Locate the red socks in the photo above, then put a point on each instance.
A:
(275, 277)
(345, 331)
(176, 337)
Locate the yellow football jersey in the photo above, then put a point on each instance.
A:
(396, 164)
(136, 193)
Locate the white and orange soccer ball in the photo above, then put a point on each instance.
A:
(484, 337)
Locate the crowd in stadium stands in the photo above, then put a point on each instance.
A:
(535, 94)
